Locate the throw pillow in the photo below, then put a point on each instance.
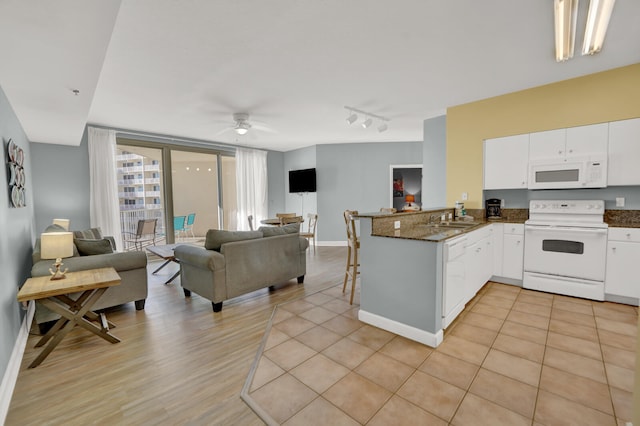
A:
(216, 238)
(89, 234)
(271, 231)
(92, 247)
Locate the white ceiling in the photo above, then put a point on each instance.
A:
(181, 68)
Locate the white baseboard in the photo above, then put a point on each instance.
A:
(332, 243)
(401, 329)
(13, 367)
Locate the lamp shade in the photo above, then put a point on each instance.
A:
(62, 222)
(410, 198)
(55, 245)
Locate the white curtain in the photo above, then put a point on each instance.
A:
(104, 208)
(251, 186)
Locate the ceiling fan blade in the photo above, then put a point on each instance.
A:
(263, 128)
(223, 131)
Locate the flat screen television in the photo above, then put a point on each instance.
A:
(302, 180)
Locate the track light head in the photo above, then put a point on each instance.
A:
(383, 127)
(352, 118)
(368, 122)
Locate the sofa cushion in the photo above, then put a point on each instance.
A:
(92, 247)
(272, 231)
(216, 238)
(89, 234)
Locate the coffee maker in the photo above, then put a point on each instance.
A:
(492, 207)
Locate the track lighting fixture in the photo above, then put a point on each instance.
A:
(368, 122)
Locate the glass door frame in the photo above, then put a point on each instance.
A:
(167, 180)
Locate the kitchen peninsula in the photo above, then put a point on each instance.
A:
(404, 275)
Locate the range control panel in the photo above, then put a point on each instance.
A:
(577, 207)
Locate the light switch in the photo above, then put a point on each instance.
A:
(396, 224)
(619, 201)
(465, 196)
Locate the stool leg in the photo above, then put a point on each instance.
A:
(346, 273)
(355, 274)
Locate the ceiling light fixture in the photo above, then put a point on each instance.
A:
(565, 14)
(242, 128)
(597, 23)
(353, 116)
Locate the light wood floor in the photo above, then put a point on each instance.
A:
(178, 362)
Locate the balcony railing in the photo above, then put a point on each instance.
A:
(152, 180)
(130, 181)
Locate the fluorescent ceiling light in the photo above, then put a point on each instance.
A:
(565, 27)
(597, 23)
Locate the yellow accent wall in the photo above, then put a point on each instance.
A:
(606, 96)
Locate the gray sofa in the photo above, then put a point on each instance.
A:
(131, 266)
(236, 263)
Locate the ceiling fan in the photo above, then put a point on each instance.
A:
(242, 125)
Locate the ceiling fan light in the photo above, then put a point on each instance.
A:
(352, 118)
(242, 128)
(596, 27)
(565, 15)
(368, 122)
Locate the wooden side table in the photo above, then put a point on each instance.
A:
(55, 296)
(166, 253)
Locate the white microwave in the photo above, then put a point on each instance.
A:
(571, 172)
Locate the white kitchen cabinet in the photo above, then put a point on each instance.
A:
(478, 261)
(571, 142)
(497, 230)
(506, 161)
(513, 251)
(454, 282)
(624, 152)
(623, 253)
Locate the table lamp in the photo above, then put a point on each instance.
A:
(62, 222)
(56, 245)
(411, 204)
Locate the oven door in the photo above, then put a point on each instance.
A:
(566, 251)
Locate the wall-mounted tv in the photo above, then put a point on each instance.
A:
(302, 180)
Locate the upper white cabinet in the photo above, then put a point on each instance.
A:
(624, 152)
(570, 142)
(506, 162)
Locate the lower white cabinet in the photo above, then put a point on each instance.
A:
(478, 261)
(623, 254)
(508, 250)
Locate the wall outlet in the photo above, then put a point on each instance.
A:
(396, 224)
(465, 196)
(619, 201)
(502, 203)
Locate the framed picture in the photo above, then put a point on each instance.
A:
(398, 187)
(16, 174)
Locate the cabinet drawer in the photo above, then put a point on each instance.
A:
(624, 234)
(514, 228)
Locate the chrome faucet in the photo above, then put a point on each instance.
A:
(434, 218)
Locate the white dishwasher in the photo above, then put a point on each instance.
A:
(453, 279)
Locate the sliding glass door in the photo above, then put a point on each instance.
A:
(189, 190)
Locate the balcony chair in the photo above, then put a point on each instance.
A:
(145, 235)
(353, 248)
(191, 217)
(311, 230)
(179, 223)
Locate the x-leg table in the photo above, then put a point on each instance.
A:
(55, 296)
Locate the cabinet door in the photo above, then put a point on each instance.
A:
(549, 144)
(497, 230)
(512, 260)
(472, 265)
(486, 261)
(624, 152)
(621, 278)
(585, 140)
(506, 162)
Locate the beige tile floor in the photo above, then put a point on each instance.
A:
(513, 357)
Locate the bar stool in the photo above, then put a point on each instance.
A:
(352, 252)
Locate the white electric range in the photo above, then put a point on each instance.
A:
(565, 247)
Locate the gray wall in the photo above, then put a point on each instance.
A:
(519, 198)
(16, 235)
(275, 175)
(356, 177)
(61, 183)
(434, 163)
(303, 158)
